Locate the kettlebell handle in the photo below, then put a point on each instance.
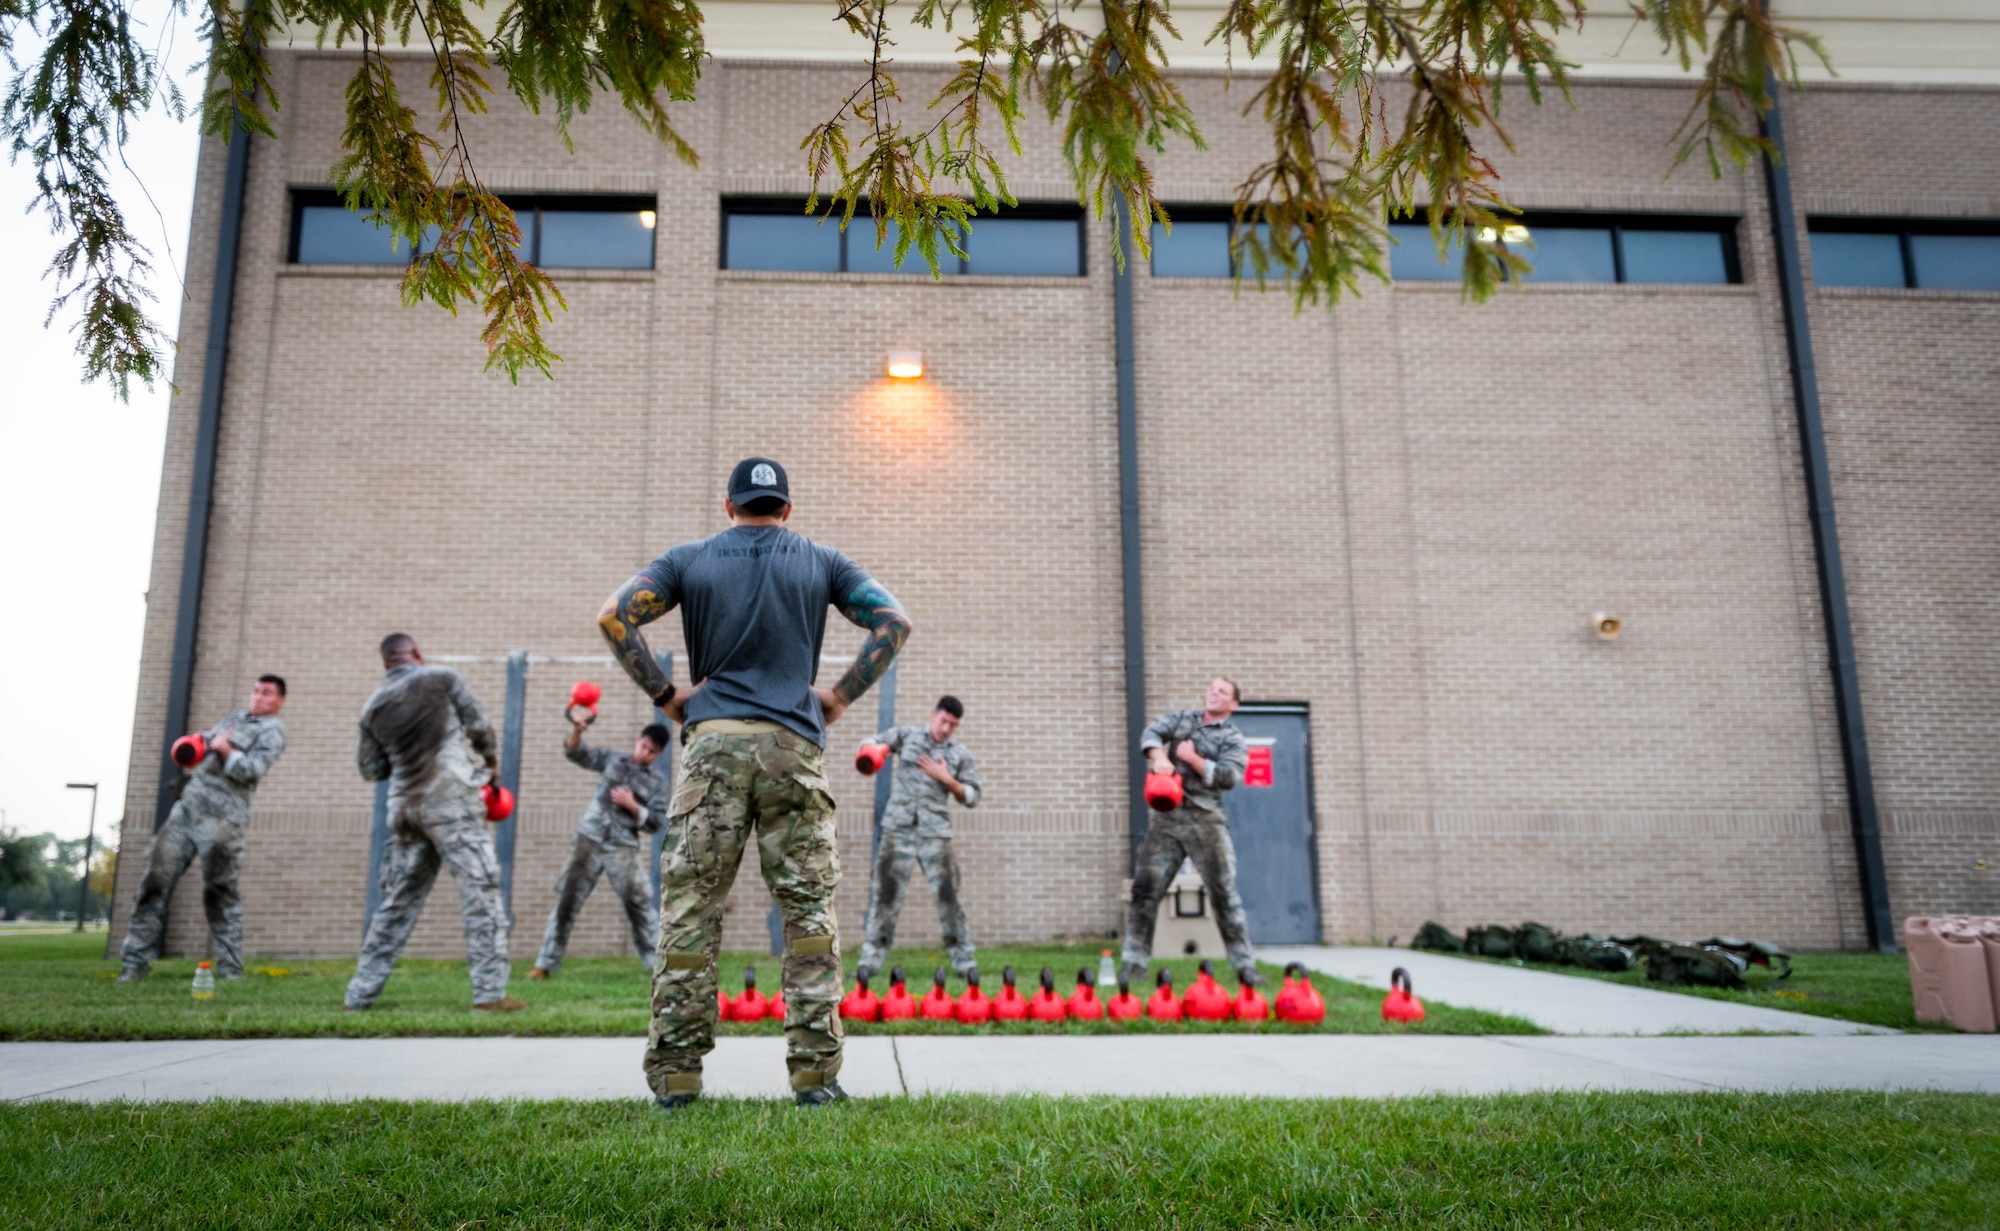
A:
(1404, 976)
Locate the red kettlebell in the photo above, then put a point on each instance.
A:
(1124, 1007)
(774, 1008)
(584, 696)
(1163, 1006)
(1300, 1003)
(1205, 1002)
(861, 1005)
(189, 750)
(1009, 1005)
(751, 1006)
(721, 1005)
(499, 802)
(1046, 1006)
(1084, 1005)
(870, 760)
(1249, 1005)
(975, 1007)
(898, 1005)
(1163, 792)
(1401, 1004)
(937, 1004)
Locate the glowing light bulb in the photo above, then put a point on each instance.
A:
(906, 364)
(648, 219)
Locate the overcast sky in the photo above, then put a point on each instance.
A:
(79, 480)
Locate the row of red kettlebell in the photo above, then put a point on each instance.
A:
(1298, 1002)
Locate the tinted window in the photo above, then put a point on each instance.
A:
(1024, 246)
(1673, 256)
(1956, 262)
(1569, 254)
(1842, 259)
(580, 239)
(864, 258)
(1413, 256)
(782, 241)
(1193, 250)
(336, 235)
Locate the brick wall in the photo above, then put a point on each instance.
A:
(1400, 512)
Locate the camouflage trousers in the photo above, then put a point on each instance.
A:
(625, 866)
(904, 849)
(1204, 841)
(188, 835)
(738, 785)
(453, 835)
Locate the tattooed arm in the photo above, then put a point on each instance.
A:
(874, 609)
(637, 602)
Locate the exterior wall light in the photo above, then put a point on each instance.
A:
(648, 219)
(906, 364)
(1606, 626)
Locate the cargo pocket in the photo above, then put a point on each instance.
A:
(818, 797)
(687, 797)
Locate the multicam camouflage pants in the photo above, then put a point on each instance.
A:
(625, 865)
(217, 841)
(453, 835)
(1204, 840)
(737, 784)
(903, 849)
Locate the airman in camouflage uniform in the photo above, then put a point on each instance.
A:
(931, 770)
(207, 823)
(753, 602)
(419, 731)
(1208, 752)
(631, 799)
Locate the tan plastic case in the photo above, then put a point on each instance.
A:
(1950, 963)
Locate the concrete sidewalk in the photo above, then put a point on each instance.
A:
(1566, 1004)
(1283, 1066)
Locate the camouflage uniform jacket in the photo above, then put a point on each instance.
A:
(224, 786)
(917, 800)
(605, 821)
(421, 730)
(1220, 744)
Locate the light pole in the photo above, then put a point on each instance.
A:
(90, 838)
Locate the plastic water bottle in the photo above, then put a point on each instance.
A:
(1107, 970)
(204, 981)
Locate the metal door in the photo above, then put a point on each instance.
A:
(1271, 823)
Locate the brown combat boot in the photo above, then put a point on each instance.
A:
(506, 1004)
(538, 973)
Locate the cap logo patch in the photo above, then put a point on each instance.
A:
(763, 476)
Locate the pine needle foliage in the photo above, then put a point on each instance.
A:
(1375, 109)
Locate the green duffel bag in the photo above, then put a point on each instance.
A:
(1595, 951)
(1643, 944)
(1689, 966)
(1535, 942)
(1436, 937)
(1757, 953)
(1490, 941)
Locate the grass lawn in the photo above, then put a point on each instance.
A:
(1613, 1160)
(1856, 987)
(61, 987)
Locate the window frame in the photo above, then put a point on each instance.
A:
(1618, 223)
(528, 209)
(795, 207)
(1903, 229)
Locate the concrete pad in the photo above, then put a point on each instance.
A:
(1273, 1066)
(1566, 1004)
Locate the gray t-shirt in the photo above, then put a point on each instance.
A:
(753, 603)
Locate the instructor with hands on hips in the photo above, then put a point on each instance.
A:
(753, 602)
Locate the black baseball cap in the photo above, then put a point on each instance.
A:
(757, 477)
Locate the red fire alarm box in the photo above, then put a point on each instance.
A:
(1258, 772)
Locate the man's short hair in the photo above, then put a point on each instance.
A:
(397, 645)
(658, 734)
(275, 681)
(762, 506)
(952, 705)
(1235, 693)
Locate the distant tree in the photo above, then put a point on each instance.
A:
(1374, 108)
(23, 880)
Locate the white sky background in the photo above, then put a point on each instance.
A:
(79, 482)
